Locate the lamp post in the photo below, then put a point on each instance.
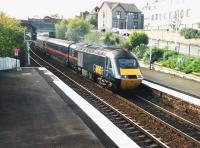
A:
(126, 23)
(150, 50)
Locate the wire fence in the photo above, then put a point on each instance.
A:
(186, 49)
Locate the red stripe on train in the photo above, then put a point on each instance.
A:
(59, 52)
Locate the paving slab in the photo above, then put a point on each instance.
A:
(32, 114)
(182, 84)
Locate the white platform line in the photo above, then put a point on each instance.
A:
(117, 136)
(174, 93)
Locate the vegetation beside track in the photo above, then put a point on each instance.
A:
(11, 36)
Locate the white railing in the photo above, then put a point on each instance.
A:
(8, 63)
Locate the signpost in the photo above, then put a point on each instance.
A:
(16, 53)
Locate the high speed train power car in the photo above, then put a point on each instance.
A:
(116, 68)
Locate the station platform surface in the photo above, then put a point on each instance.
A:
(32, 114)
(186, 86)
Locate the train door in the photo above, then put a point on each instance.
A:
(109, 70)
(80, 57)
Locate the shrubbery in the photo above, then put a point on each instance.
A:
(140, 50)
(77, 29)
(92, 38)
(11, 36)
(136, 38)
(111, 39)
(183, 63)
(189, 33)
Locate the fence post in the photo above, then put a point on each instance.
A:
(179, 46)
(189, 49)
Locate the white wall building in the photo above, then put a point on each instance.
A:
(165, 14)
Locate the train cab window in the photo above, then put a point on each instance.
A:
(127, 63)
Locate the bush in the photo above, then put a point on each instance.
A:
(77, 28)
(111, 39)
(169, 53)
(156, 54)
(195, 66)
(189, 33)
(183, 63)
(12, 37)
(137, 38)
(140, 50)
(92, 38)
(61, 29)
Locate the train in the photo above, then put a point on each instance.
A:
(111, 67)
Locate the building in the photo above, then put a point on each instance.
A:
(119, 15)
(171, 14)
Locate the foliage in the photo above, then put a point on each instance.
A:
(11, 37)
(199, 25)
(140, 50)
(189, 33)
(77, 28)
(111, 39)
(92, 38)
(8, 21)
(61, 29)
(137, 38)
(123, 44)
(194, 66)
(169, 53)
(156, 54)
(183, 63)
(93, 21)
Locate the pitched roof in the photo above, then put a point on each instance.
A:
(129, 7)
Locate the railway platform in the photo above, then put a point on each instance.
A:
(183, 85)
(36, 112)
(32, 114)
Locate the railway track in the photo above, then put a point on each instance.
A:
(124, 114)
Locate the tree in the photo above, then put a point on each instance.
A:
(137, 38)
(8, 21)
(77, 28)
(61, 29)
(93, 21)
(11, 36)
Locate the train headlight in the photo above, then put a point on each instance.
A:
(124, 76)
(139, 76)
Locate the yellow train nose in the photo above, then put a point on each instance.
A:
(130, 83)
(127, 82)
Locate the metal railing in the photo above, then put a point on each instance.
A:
(182, 48)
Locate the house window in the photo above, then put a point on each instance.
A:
(156, 16)
(152, 17)
(130, 13)
(170, 15)
(188, 12)
(165, 16)
(135, 25)
(118, 14)
(135, 16)
(115, 25)
(103, 14)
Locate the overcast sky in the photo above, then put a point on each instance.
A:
(22, 9)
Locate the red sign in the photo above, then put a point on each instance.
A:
(16, 51)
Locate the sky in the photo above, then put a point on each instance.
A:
(22, 9)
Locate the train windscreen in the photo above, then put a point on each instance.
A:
(127, 63)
